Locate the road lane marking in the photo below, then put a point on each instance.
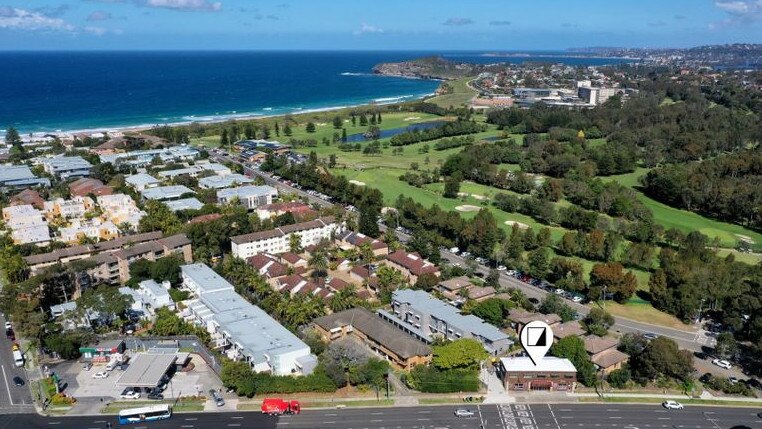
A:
(424, 412)
(234, 424)
(186, 426)
(329, 423)
(331, 415)
(191, 419)
(99, 422)
(423, 420)
(7, 386)
(614, 417)
(376, 414)
(236, 417)
(54, 423)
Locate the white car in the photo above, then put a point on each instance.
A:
(461, 412)
(454, 250)
(577, 299)
(502, 268)
(8, 325)
(722, 363)
(672, 405)
(100, 374)
(560, 291)
(130, 394)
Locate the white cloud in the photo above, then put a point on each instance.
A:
(185, 4)
(22, 19)
(368, 28)
(739, 12)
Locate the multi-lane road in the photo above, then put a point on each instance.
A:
(513, 416)
(13, 399)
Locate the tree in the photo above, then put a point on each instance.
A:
(597, 322)
(553, 304)
(277, 130)
(319, 264)
(224, 138)
(310, 128)
(287, 130)
(368, 223)
(539, 263)
(492, 310)
(427, 282)
(337, 122)
(464, 353)
(612, 278)
(344, 135)
(159, 218)
(452, 186)
(295, 243)
(104, 300)
(661, 357)
(619, 378)
(344, 299)
(573, 348)
(363, 120)
(12, 137)
(726, 345)
(492, 279)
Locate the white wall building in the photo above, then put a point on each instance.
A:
(27, 224)
(149, 297)
(250, 197)
(121, 208)
(276, 241)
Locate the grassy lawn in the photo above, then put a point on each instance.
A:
(461, 94)
(686, 221)
(642, 311)
(182, 405)
(748, 258)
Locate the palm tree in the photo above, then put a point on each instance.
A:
(344, 299)
(319, 264)
(295, 243)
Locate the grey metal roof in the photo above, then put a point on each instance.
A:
(426, 303)
(141, 179)
(19, 175)
(146, 370)
(185, 204)
(225, 181)
(246, 192)
(165, 192)
(205, 278)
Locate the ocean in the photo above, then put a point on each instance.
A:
(65, 91)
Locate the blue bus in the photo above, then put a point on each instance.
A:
(145, 414)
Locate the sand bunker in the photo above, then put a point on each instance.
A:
(479, 197)
(412, 118)
(357, 182)
(468, 208)
(519, 224)
(745, 238)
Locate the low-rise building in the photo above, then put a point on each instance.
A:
(298, 209)
(226, 181)
(164, 193)
(20, 176)
(568, 329)
(353, 240)
(143, 158)
(276, 241)
(455, 287)
(604, 354)
(250, 197)
(268, 267)
(242, 330)
(421, 315)
(551, 374)
(411, 265)
(121, 209)
(30, 197)
(87, 186)
(520, 317)
(65, 167)
(194, 170)
(142, 181)
(149, 297)
(402, 351)
(95, 229)
(27, 225)
(184, 204)
(74, 208)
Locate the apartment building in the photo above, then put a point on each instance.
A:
(65, 167)
(121, 209)
(422, 316)
(250, 197)
(27, 224)
(20, 176)
(411, 265)
(276, 241)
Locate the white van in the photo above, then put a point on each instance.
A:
(111, 365)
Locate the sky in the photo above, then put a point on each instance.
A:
(374, 24)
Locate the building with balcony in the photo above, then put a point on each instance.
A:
(250, 197)
(143, 158)
(276, 241)
(241, 330)
(65, 167)
(142, 181)
(20, 176)
(411, 265)
(149, 297)
(422, 316)
(27, 224)
(164, 193)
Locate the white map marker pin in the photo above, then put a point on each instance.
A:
(536, 338)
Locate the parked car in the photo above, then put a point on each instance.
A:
(501, 268)
(87, 365)
(100, 374)
(18, 381)
(576, 298)
(672, 405)
(650, 336)
(722, 363)
(155, 395)
(8, 325)
(705, 377)
(559, 291)
(462, 412)
(217, 398)
(732, 380)
(130, 393)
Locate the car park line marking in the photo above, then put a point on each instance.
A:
(554, 416)
(329, 423)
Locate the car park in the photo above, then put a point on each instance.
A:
(672, 405)
(100, 374)
(18, 381)
(722, 363)
(462, 412)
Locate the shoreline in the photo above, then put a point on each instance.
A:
(217, 119)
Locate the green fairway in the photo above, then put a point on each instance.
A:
(460, 95)
(686, 221)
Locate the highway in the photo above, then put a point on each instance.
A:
(690, 338)
(13, 399)
(513, 416)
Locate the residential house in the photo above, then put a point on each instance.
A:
(95, 229)
(121, 209)
(402, 351)
(30, 197)
(184, 204)
(87, 186)
(143, 158)
(149, 297)
(520, 317)
(352, 239)
(604, 354)
(75, 208)
(268, 267)
(567, 329)
(142, 181)
(164, 193)
(20, 176)
(296, 208)
(293, 260)
(411, 265)
(65, 167)
(226, 181)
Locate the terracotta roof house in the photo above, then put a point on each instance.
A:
(293, 260)
(411, 265)
(300, 210)
(451, 288)
(351, 239)
(205, 218)
(28, 196)
(86, 186)
(609, 360)
(479, 293)
(337, 284)
(595, 344)
(567, 329)
(520, 317)
(268, 266)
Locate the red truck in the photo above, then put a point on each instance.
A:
(278, 407)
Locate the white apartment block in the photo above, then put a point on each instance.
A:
(95, 229)
(74, 208)
(121, 208)
(27, 224)
(276, 241)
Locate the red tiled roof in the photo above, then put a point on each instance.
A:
(28, 196)
(413, 262)
(337, 284)
(361, 271)
(291, 258)
(205, 218)
(85, 186)
(293, 207)
(272, 268)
